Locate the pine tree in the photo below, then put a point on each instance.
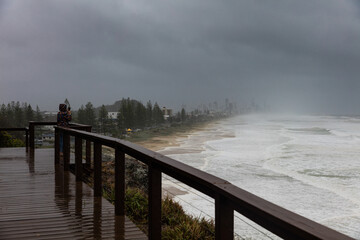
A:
(81, 118)
(66, 101)
(183, 115)
(158, 114)
(149, 117)
(18, 115)
(38, 116)
(129, 116)
(90, 116)
(3, 116)
(103, 119)
(29, 113)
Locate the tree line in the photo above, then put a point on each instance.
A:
(16, 114)
(130, 114)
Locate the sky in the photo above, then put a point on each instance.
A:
(300, 56)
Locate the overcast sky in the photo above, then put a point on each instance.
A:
(291, 54)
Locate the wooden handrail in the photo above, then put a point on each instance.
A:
(33, 124)
(228, 197)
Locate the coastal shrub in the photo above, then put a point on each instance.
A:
(136, 205)
(178, 225)
(172, 212)
(190, 229)
(6, 140)
(136, 174)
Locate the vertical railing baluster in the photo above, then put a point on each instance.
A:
(32, 135)
(78, 159)
(57, 146)
(119, 182)
(154, 203)
(27, 139)
(224, 219)
(66, 151)
(97, 169)
(88, 150)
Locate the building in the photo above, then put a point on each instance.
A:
(48, 137)
(167, 112)
(113, 115)
(50, 113)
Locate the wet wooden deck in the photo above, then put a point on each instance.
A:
(39, 201)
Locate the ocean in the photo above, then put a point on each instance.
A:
(307, 164)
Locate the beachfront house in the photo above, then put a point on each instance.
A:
(167, 112)
(112, 115)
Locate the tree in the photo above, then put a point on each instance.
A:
(81, 118)
(67, 103)
(103, 119)
(183, 115)
(18, 115)
(38, 116)
(29, 113)
(4, 121)
(158, 114)
(149, 110)
(90, 116)
(140, 115)
(120, 120)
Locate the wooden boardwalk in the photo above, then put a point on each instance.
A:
(39, 201)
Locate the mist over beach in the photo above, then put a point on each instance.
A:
(307, 164)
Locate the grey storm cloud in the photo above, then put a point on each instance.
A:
(301, 55)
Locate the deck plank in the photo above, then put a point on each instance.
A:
(39, 201)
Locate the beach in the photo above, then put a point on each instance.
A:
(174, 139)
(306, 164)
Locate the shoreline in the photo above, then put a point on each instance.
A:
(174, 139)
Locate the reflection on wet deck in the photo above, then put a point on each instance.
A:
(40, 201)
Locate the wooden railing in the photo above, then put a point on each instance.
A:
(228, 198)
(30, 134)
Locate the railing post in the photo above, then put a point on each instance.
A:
(27, 139)
(32, 135)
(119, 182)
(78, 159)
(154, 203)
(88, 150)
(66, 149)
(224, 219)
(57, 146)
(97, 170)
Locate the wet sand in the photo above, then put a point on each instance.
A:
(175, 139)
(160, 143)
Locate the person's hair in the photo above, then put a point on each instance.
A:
(62, 107)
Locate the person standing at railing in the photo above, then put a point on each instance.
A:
(63, 119)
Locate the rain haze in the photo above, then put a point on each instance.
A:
(291, 55)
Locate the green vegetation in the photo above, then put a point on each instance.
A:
(15, 114)
(176, 224)
(130, 114)
(6, 140)
(133, 114)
